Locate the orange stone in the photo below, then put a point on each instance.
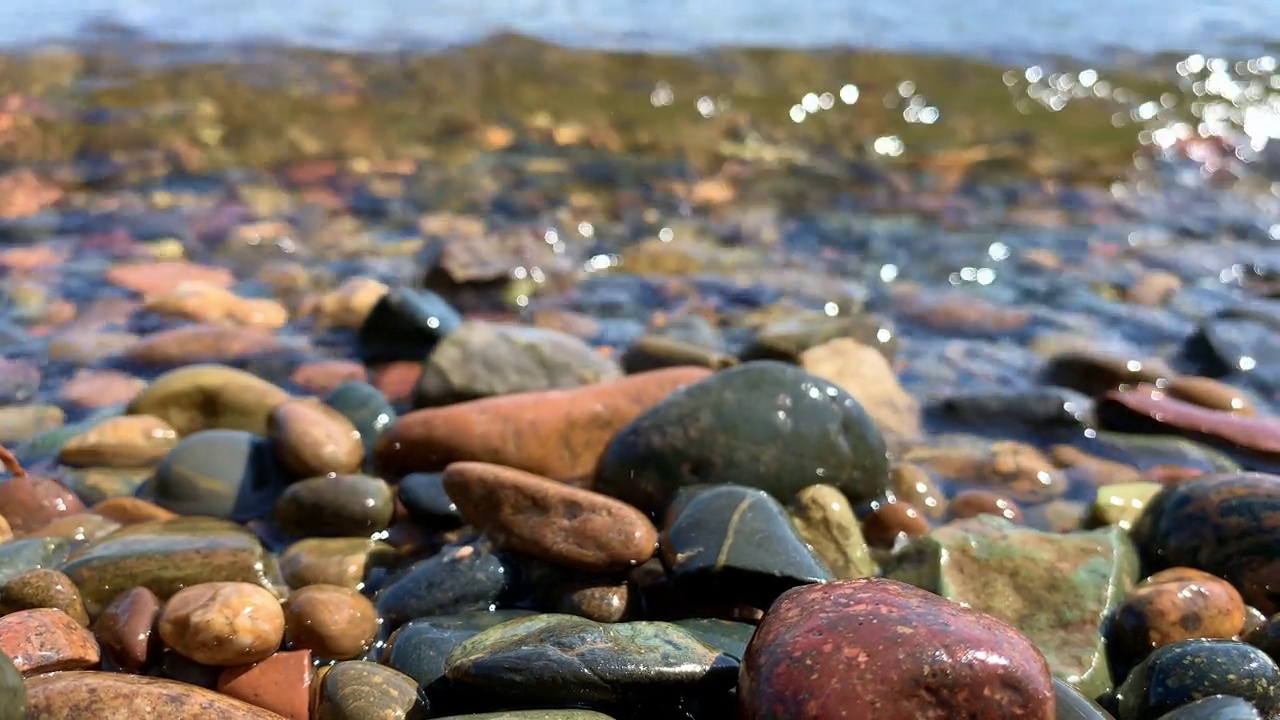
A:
(200, 343)
(151, 278)
(558, 434)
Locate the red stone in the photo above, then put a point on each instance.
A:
(873, 649)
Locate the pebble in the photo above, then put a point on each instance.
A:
(459, 578)
(889, 522)
(1220, 524)
(223, 623)
(646, 667)
(280, 684)
(824, 519)
(229, 474)
(1183, 672)
(156, 278)
(333, 622)
(199, 343)
(405, 324)
(356, 690)
(117, 696)
(310, 438)
(419, 648)
(972, 503)
(45, 640)
(206, 396)
(733, 544)
(558, 434)
(29, 502)
(335, 506)
(43, 588)
(128, 441)
(124, 628)
(100, 388)
(763, 424)
(1057, 588)
(166, 556)
(1170, 606)
(847, 650)
(324, 376)
(482, 359)
(865, 373)
(548, 520)
(345, 562)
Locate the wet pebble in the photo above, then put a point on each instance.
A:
(1183, 672)
(333, 622)
(310, 438)
(43, 588)
(843, 650)
(356, 690)
(548, 520)
(122, 442)
(223, 623)
(280, 683)
(124, 628)
(45, 640)
(336, 506)
(117, 696)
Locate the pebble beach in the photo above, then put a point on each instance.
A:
(522, 380)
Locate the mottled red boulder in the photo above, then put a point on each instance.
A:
(875, 649)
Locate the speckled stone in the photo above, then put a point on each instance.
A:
(1180, 673)
(46, 640)
(117, 696)
(223, 623)
(43, 588)
(356, 690)
(846, 650)
(335, 623)
(1056, 588)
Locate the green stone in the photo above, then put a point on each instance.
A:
(552, 659)
(207, 396)
(168, 555)
(763, 424)
(336, 506)
(13, 691)
(1121, 504)
(1055, 588)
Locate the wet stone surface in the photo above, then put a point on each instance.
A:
(334, 388)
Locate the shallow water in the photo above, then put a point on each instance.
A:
(1080, 28)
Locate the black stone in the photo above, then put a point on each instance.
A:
(728, 636)
(228, 474)
(1070, 704)
(1183, 672)
(733, 544)
(459, 578)
(405, 325)
(424, 498)
(762, 424)
(628, 670)
(419, 648)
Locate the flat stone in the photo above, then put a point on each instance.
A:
(482, 359)
(129, 441)
(199, 343)
(548, 520)
(559, 434)
(202, 397)
(876, 648)
(762, 424)
(1057, 588)
(117, 696)
(561, 659)
(47, 640)
(168, 555)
